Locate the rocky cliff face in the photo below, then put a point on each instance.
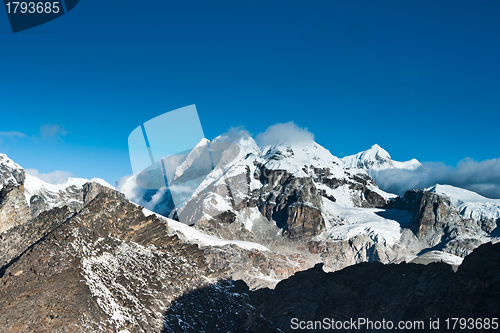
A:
(13, 207)
(91, 189)
(18, 239)
(294, 203)
(472, 206)
(432, 214)
(436, 222)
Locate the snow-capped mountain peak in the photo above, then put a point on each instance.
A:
(294, 157)
(11, 173)
(377, 158)
(377, 152)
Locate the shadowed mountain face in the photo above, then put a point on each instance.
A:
(368, 290)
(221, 307)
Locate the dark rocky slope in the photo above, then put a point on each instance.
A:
(367, 290)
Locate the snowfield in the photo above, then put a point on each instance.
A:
(380, 225)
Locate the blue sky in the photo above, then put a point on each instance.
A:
(419, 78)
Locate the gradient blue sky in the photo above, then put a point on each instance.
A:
(420, 78)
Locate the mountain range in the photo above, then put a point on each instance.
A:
(85, 256)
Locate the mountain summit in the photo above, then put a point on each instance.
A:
(377, 158)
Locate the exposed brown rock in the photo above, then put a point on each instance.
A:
(92, 189)
(13, 207)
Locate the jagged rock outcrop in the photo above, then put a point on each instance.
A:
(472, 206)
(74, 196)
(107, 267)
(293, 203)
(437, 223)
(431, 213)
(91, 189)
(13, 207)
(44, 199)
(40, 196)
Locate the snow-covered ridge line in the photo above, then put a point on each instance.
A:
(377, 158)
(202, 239)
(35, 186)
(469, 204)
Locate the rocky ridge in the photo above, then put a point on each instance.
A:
(106, 267)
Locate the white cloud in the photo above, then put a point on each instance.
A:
(127, 185)
(481, 177)
(54, 177)
(285, 132)
(13, 134)
(52, 131)
(234, 133)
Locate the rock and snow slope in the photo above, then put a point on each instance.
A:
(10, 173)
(471, 205)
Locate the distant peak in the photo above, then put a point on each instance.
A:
(379, 151)
(377, 158)
(203, 142)
(375, 155)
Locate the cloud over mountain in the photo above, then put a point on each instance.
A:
(284, 132)
(54, 177)
(481, 177)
